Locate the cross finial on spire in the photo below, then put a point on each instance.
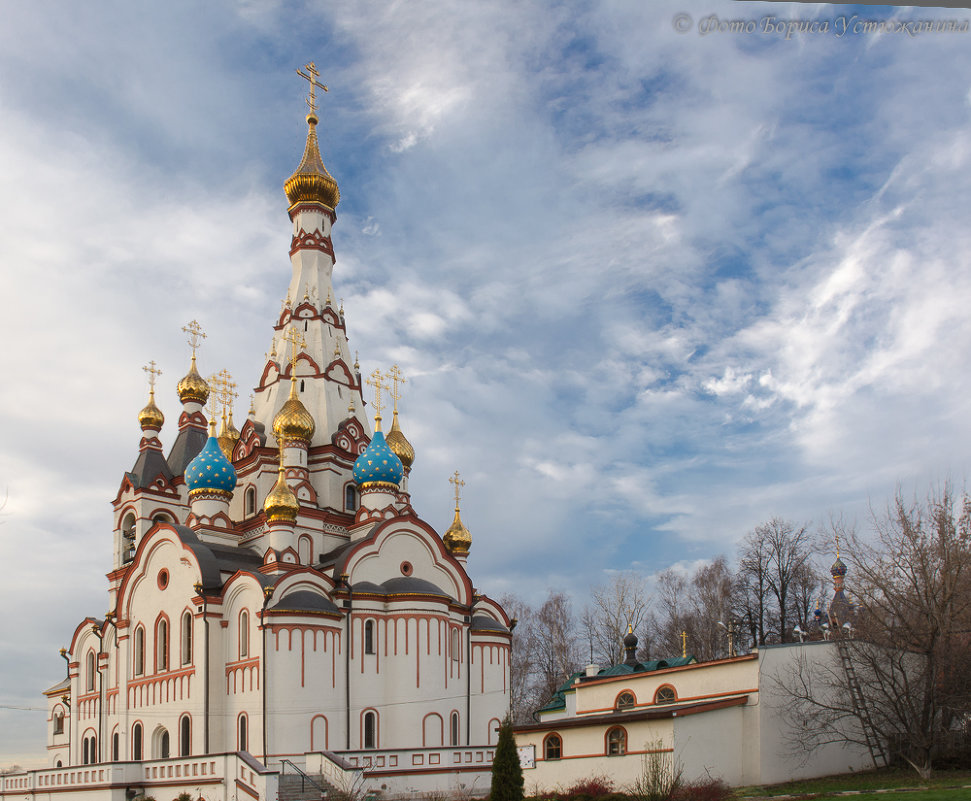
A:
(396, 378)
(684, 644)
(194, 330)
(297, 340)
(311, 77)
(458, 483)
(153, 373)
(215, 382)
(376, 381)
(837, 545)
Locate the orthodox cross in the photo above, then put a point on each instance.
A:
(194, 330)
(153, 373)
(297, 340)
(837, 546)
(458, 484)
(375, 381)
(684, 644)
(396, 378)
(215, 396)
(311, 78)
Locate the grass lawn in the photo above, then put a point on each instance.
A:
(942, 786)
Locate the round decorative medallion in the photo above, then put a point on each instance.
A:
(163, 578)
(406, 569)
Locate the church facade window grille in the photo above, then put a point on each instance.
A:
(370, 729)
(242, 740)
(186, 638)
(136, 742)
(243, 634)
(552, 746)
(161, 645)
(185, 736)
(617, 741)
(369, 637)
(90, 670)
(625, 701)
(138, 649)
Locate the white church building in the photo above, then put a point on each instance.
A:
(277, 607)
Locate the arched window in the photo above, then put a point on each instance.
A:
(454, 642)
(136, 742)
(185, 736)
(186, 638)
(163, 744)
(665, 695)
(350, 498)
(251, 500)
(162, 645)
(58, 722)
(161, 517)
(243, 635)
(138, 652)
(128, 537)
(301, 380)
(89, 749)
(552, 747)
(115, 745)
(624, 701)
(304, 548)
(243, 741)
(616, 742)
(91, 670)
(370, 729)
(454, 728)
(369, 636)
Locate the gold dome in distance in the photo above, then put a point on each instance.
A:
(281, 503)
(310, 182)
(151, 416)
(399, 444)
(193, 387)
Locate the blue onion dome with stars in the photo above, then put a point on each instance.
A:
(210, 471)
(378, 464)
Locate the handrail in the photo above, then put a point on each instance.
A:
(304, 780)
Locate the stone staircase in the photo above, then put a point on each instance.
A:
(298, 786)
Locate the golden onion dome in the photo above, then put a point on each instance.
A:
(457, 539)
(399, 444)
(151, 416)
(193, 387)
(293, 421)
(281, 503)
(311, 182)
(226, 440)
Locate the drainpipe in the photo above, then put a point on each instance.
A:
(267, 594)
(200, 590)
(348, 605)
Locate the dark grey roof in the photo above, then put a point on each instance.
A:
(412, 585)
(485, 623)
(150, 465)
(186, 447)
(214, 560)
(304, 601)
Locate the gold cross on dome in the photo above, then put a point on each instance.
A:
(684, 644)
(311, 78)
(837, 546)
(194, 330)
(153, 373)
(376, 381)
(396, 378)
(458, 484)
(297, 340)
(215, 395)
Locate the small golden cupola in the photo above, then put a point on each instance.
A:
(396, 438)
(192, 387)
(310, 182)
(293, 421)
(457, 539)
(151, 416)
(281, 503)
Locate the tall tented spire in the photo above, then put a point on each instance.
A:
(311, 182)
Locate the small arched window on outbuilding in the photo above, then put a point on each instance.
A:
(665, 694)
(616, 741)
(625, 701)
(552, 746)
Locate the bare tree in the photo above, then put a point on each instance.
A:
(556, 643)
(912, 579)
(621, 602)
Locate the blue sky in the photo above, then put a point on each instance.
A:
(649, 288)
